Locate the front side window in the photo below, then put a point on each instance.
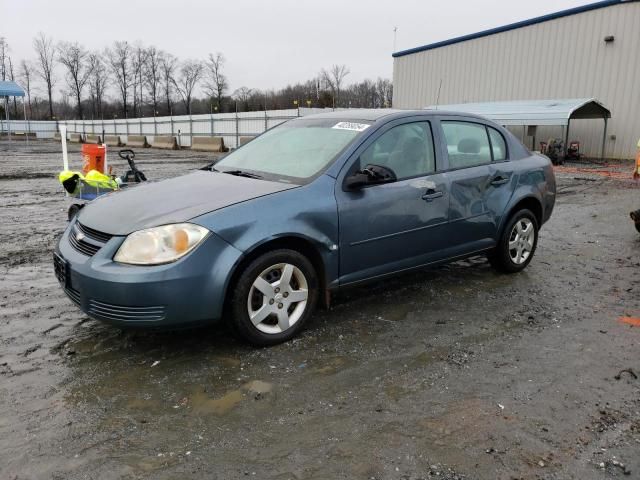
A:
(406, 149)
(467, 144)
(295, 151)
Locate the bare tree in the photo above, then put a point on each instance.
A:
(26, 74)
(119, 58)
(137, 69)
(334, 79)
(13, 79)
(168, 66)
(153, 75)
(216, 82)
(74, 58)
(190, 73)
(97, 83)
(384, 88)
(46, 54)
(4, 54)
(243, 95)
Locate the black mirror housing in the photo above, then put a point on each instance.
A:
(370, 175)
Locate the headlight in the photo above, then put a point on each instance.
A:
(158, 245)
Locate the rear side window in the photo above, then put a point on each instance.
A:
(498, 145)
(467, 144)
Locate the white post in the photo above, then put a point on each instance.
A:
(65, 156)
(105, 168)
(24, 110)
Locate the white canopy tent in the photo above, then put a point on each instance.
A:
(11, 89)
(537, 112)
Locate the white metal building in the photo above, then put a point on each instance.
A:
(591, 51)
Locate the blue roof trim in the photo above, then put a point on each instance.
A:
(514, 26)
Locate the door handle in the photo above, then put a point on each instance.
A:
(499, 180)
(431, 195)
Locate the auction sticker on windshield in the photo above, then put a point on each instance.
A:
(358, 127)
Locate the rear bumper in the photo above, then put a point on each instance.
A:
(184, 293)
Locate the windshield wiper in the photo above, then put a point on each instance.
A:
(210, 168)
(242, 173)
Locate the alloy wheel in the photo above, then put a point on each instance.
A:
(521, 241)
(277, 298)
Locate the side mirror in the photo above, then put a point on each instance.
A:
(370, 175)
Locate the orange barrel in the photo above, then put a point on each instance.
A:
(93, 157)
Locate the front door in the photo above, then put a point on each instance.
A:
(395, 226)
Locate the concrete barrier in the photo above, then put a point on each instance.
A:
(139, 141)
(24, 135)
(208, 144)
(57, 136)
(244, 140)
(90, 138)
(75, 137)
(113, 140)
(166, 142)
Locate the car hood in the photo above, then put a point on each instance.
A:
(172, 201)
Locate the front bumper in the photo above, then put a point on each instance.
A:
(183, 293)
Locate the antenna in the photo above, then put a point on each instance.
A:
(438, 96)
(395, 34)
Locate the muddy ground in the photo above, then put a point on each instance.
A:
(454, 373)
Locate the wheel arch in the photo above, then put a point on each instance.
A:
(298, 243)
(528, 202)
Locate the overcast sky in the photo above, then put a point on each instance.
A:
(267, 43)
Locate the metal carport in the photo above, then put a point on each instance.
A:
(11, 89)
(537, 112)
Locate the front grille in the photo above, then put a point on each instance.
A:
(86, 248)
(79, 235)
(74, 295)
(108, 311)
(93, 234)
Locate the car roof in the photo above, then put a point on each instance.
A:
(372, 115)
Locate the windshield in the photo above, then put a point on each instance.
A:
(295, 151)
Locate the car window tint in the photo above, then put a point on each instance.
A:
(498, 145)
(406, 149)
(467, 144)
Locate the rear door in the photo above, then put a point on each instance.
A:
(481, 178)
(395, 226)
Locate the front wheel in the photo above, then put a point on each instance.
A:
(274, 297)
(517, 243)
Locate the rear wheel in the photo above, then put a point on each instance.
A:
(274, 297)
(517, 243)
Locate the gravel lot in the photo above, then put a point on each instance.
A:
(452, 373)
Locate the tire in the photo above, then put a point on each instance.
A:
(637, 224)
(265, 312)
(73, 211)
(516, 234)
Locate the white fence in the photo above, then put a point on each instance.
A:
(230, 126)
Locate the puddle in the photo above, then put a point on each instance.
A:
(331, 366)
(258, 387)
(397, 313)
(200, 401)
